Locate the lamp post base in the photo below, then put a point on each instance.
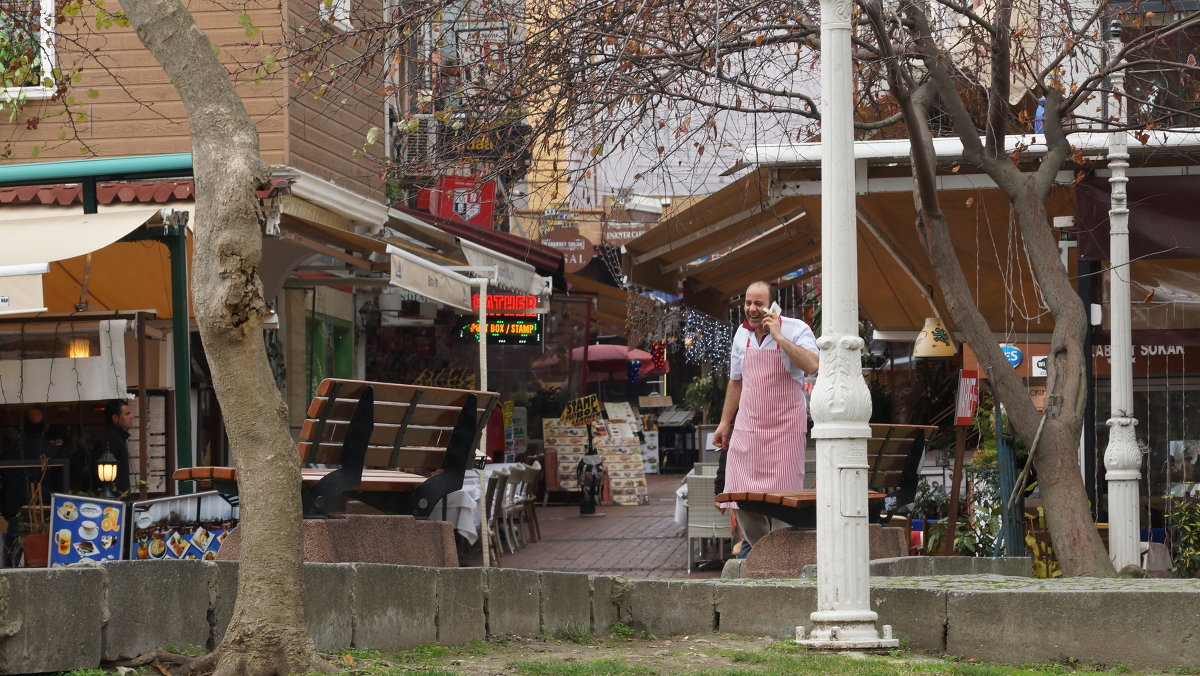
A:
(847, 636)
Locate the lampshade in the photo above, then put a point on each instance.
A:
(933, 340)
(106, 468)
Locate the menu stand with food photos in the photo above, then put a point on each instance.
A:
(180, 527)
(85, 529)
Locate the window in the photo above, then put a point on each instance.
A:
(27, 48)
(336, 12)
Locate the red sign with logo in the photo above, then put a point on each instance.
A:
(466, 199)
(968, 397)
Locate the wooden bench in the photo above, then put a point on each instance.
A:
(398, 448)
(894, 456)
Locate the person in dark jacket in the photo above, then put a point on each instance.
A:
(15, 480)
(116, 439)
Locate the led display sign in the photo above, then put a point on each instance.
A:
(507, 329)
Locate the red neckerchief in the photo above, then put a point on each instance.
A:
(746, 325)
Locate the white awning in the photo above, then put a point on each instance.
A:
(510, 273)
(25, 241)
(21, 288)
(430, 279)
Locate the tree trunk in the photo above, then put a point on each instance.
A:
(267, 634)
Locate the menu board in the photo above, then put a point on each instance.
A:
(85, 529)
(181, 527)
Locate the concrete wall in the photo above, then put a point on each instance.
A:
(71, 618)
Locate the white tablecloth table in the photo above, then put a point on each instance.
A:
(462, 506)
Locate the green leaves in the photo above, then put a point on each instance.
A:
(247, 25)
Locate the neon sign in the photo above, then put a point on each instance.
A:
(508, 303)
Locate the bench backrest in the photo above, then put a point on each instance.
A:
(894, 455)
(413, 423)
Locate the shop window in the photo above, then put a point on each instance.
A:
(336, 12)
(27, 48)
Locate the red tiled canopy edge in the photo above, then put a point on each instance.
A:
(66, 194)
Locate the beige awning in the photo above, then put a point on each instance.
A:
(54, 238)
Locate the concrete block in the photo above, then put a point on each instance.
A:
(153, 604)
(460, 618)
(328, 609)
(732, 569)
(566, 602)
(395, 607)
(764, 609)
(671, 607)
(513, 602)
(909, 566)
(918, 615)
(1137, 626)
(607, 594)
(222, 593)
(50, 619)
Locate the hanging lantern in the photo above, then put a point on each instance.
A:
(933, 340)
(633, 368)
(658, 350)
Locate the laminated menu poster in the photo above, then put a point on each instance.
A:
(181, 527)
(85, 529)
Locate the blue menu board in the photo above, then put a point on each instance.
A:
(85, 529)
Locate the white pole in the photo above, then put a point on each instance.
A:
(484, 532)
(841, 403)
(1122, 458)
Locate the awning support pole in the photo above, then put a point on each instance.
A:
(176, 241)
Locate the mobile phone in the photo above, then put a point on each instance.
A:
(775, 309)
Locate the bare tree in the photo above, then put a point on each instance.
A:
(596, 76)
(267, 633)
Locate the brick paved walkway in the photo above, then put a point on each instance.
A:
(637, 542)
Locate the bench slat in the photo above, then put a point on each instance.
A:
(392, 413)
(372, 479)
(381, 435)
(379, 456)
(352, 389)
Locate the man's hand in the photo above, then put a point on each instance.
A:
(771, 323)
(720, 438)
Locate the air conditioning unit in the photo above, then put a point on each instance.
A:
(415, 145)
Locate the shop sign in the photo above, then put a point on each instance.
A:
(582, 411)
(507, 329)
(428, 279)
(619, 233)
(968, 397)
(1150, 359)
(467, 199)
(1013, 354)
(509, 303)
(1038, 366)
(577, 251)
(85, 529)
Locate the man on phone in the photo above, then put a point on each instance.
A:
(769, 358)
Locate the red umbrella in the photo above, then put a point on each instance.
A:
(610, 358)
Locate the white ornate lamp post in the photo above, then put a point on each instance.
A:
(841, 403)
(1122, 458)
